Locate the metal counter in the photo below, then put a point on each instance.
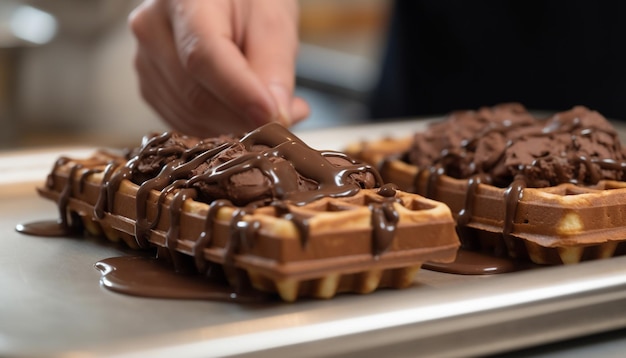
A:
(51, 302)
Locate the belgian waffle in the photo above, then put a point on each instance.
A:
(341, 241)
(562, 223)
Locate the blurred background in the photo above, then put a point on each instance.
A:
(66, 72)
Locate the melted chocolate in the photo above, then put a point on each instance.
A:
(458, 157)
(63, 226)
(512, 196)
(470, 262)
(50, 228)
(100, 207)
(272, 150)
(301, 221)
(384, 219)
(388, 190)
(205, 238)
(467, 212)
(150, 277)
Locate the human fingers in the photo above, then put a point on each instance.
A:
(206, 45)
(270, 43)
(208, 120)
(180, 100)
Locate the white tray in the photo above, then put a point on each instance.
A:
(51, 302)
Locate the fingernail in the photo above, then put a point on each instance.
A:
(282, 99)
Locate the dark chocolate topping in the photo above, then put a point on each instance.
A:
(578, 146)
(267, 167)
(506, 147)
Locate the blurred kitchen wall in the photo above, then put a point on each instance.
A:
(80, 88)
(339, 59)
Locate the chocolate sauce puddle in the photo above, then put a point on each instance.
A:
(470, 262)
(150, 277)
(45, 228)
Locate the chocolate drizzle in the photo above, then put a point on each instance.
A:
(384, 219)
(506, 147)
(512, 196)
(65, 195)
(205, 239)
(267, 167)
(171, 237)
(465, 215)
(168, 178)
(101, 203)
(300, 221)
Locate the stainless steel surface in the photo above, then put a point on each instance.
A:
(52, 304)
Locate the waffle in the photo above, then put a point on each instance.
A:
(560, 223)
(342, 241)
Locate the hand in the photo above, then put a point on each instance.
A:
(211, 67)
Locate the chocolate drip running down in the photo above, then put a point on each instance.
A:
(507, 147)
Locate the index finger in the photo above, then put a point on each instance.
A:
(271, 45)
(205, 43)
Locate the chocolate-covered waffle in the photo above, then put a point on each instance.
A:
(549, 189)
(266, 209)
